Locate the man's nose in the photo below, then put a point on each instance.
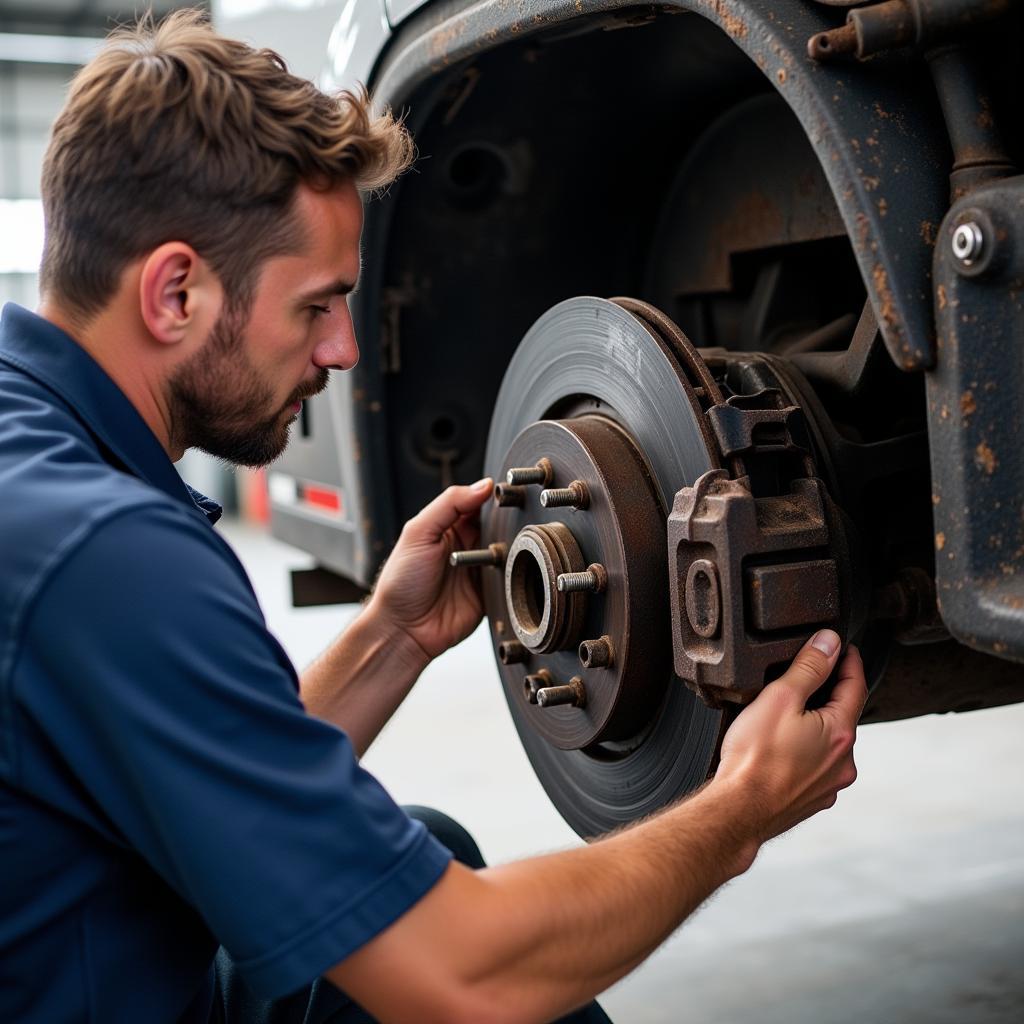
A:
(338, 350)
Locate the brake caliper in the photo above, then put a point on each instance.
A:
(757, 552)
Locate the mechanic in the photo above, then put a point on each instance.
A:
(168, 783)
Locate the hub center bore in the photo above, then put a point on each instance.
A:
(543, 618)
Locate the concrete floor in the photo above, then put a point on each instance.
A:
(904, 904)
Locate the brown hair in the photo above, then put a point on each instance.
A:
(174, 132)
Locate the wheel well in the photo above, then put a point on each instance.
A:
(547, 169)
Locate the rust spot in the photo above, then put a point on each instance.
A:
(881, 112)
(940, 541)
(887, 309)
(730, 22)
(985, 458)
(443, 38)
(967, 404)
(999, 647)
(871, 183)
(883, 207)
(928, 232)
(940, 295)
(936, 499)
(781, 76)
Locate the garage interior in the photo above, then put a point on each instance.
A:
(904, 904)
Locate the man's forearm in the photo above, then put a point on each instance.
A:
(359, 681)
(528, 941)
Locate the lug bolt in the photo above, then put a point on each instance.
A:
(539, 474)
(494, 554)
(575, 495)
(968, 241)
(533, 684)
(573, 694)
(508, 496)
(596, 653)
(595, 578)
(511, 652)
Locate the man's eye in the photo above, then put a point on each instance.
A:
(319, 310)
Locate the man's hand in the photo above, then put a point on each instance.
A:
(792, 762)
(418, 593)
(480, 944)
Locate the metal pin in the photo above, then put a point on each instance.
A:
(494, 554)
(539, 474)
(595, 578)
(575, 495)
(511, 652)
(533, 684)
(596, 653)
(833, 43)
(573, 694)
(508, 496)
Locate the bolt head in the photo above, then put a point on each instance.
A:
(968, 242)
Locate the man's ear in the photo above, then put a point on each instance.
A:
(178, 293)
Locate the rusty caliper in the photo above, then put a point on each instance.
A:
(611, 434)
(759, 554)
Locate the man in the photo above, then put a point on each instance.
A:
(168, 784)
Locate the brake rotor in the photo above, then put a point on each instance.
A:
(598, 419)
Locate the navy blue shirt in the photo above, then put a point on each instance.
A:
(162, 790)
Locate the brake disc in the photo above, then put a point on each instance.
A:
(600, 427)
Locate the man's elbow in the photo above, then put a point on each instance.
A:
(441, 1002)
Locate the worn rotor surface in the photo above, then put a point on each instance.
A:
(596, 415)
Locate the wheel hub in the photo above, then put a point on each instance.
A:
(584, 581)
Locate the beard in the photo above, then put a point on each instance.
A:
(218, 403)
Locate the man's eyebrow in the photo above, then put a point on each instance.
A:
(339, 287)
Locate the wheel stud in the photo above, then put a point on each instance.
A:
(575, 495)
(508, 496)
(511, 652)
(573, 694)
(539, 474)
(491, 555)
(595, 579)
(533, 684)
(596, 653)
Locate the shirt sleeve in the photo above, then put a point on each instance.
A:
(178, 712)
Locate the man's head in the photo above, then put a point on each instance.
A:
(210, 199)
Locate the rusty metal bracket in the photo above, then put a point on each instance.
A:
(763, 421)
(975, 420)
(893, 24)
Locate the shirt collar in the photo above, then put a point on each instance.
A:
(55, 359)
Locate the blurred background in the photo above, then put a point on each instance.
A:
(42, 44)
(904, 904)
